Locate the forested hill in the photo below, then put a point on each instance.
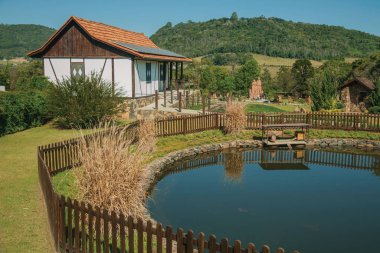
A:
(268, 36)
(17, 40)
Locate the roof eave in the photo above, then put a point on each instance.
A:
(34, 53)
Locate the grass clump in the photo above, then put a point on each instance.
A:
(235, 118)
(113, 174)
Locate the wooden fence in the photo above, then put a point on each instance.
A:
(77, 227)
(198, 123)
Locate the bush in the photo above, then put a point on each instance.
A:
(374, 110)
(21, 110)
(82, 102)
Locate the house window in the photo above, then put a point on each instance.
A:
(148, 73)
(77, 69)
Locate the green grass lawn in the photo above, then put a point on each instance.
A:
(23, 222)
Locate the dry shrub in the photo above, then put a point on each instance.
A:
(146, 134)
(235, 117)
(234, 165)
(113, 174)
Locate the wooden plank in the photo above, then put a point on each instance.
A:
(212, 244)
(149, 233)
(131, 246)
(168, 237)
(189, 241)
(180, 240)
(63, 223)
(237, 246)
(201, 243)
(122, 223)
(114, 231)
(91, 229)
(159, 237)
(106, 244)
(140, 237)
(83, 228)
(98, 230)
(70, 225)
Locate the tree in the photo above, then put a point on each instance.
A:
(234, 17)
(5, 76)
(284, 79)
(266, 80)
(302, 70)
(244, 76)
(324, 84)
(208, 80)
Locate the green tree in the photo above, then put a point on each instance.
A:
(324, 84)
(284, 80)
(5, 76)
(208, 80)
(244, 76)
(302, 70)
(267, 83)
(234, 17)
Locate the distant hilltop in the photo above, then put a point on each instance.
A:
(17, 40)
(267, 36)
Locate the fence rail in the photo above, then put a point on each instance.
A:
(77, 227)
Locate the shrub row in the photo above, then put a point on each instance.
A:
(21, 110)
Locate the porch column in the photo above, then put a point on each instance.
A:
(164, 81)
(133, 79)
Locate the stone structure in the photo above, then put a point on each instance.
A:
(256, 90)
(354, 91)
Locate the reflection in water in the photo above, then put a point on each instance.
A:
(234, 165)
(298, 199)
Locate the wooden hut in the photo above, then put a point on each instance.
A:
(354, 91)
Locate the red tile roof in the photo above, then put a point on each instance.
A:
(109, 35)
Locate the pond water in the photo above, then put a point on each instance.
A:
(306, 200)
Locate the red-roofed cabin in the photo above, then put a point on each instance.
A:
(131, 61)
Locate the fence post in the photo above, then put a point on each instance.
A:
(180, 101)
(171, 92)
(203, 104)
(184, 125)
(217, 120)
(186, 99)
(156, 99)
(164, 93)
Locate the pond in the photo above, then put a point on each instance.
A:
(306, 200)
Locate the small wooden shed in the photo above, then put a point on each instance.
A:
(354, 91)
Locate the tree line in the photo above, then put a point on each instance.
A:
(268, 36)
(301, 80)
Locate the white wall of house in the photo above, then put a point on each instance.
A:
(143, 88)
(59, 68)
(122, 70)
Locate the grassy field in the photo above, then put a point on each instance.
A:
(23, 222)
(261, 107)
(273, 64)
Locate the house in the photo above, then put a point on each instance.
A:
(129, 60)
(354, 91)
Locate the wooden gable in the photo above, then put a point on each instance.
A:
(72, 41)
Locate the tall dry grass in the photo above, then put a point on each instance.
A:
(235, 117)
(113, 173)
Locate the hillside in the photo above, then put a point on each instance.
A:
(17, 40)
(267, 36)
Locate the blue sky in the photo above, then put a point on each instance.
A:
(148, 15)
